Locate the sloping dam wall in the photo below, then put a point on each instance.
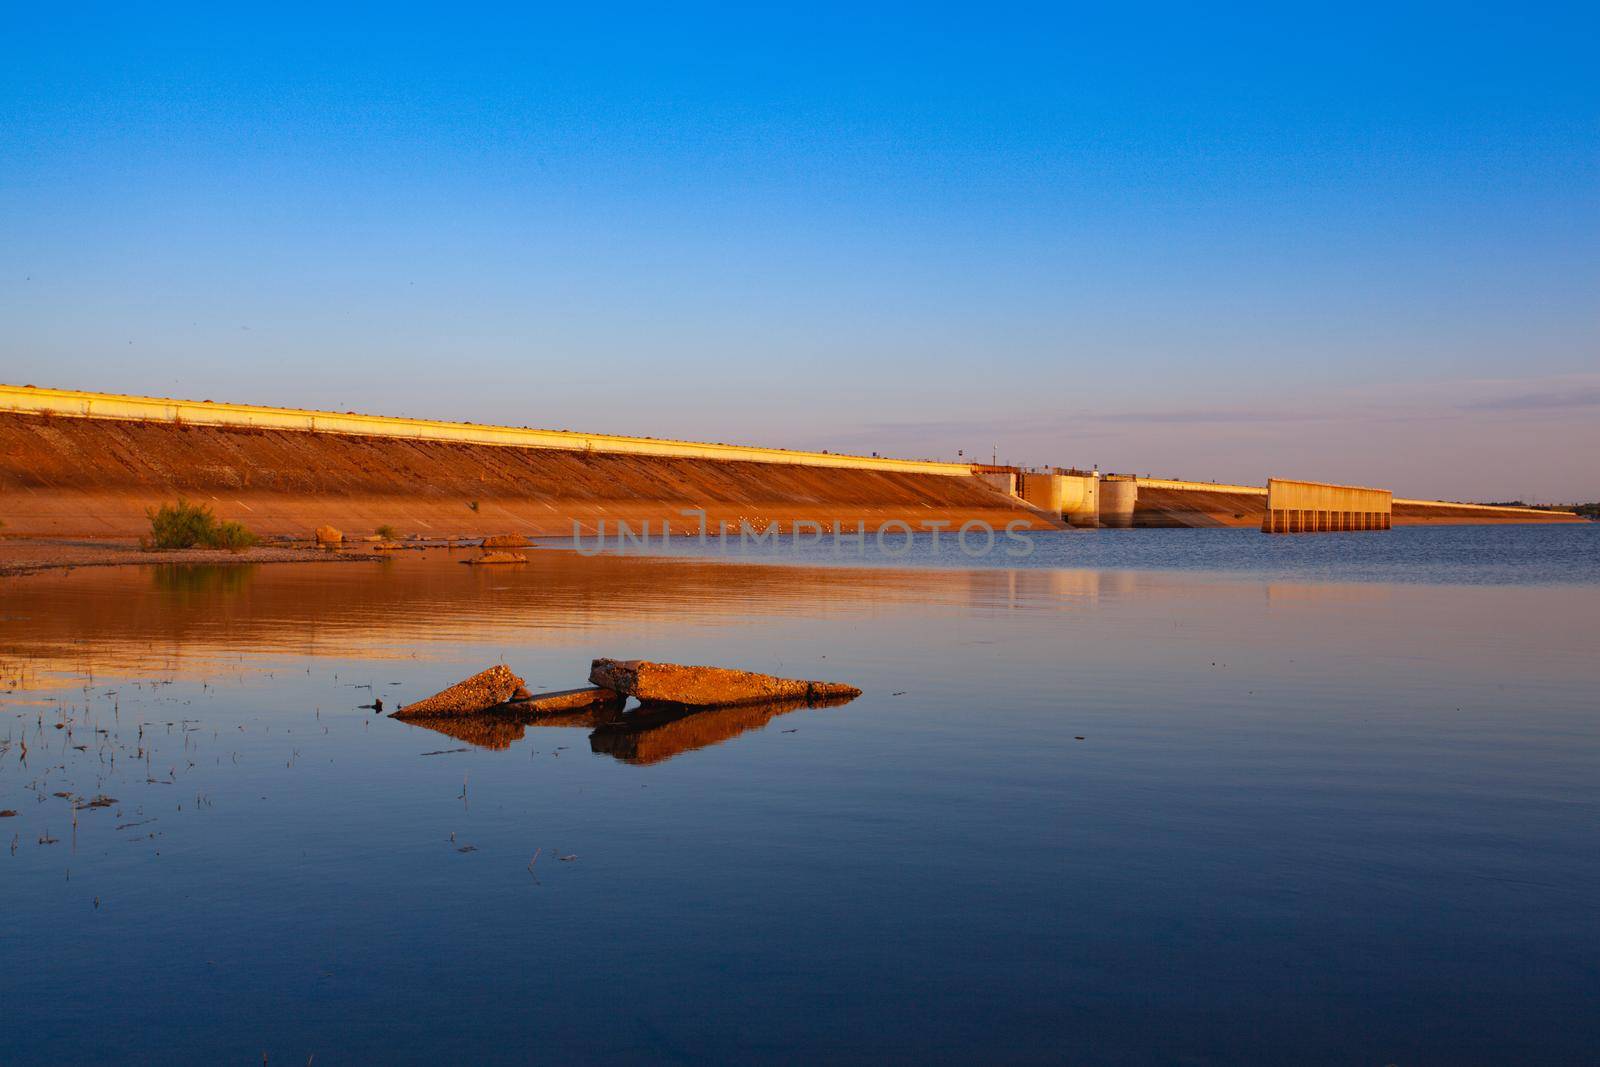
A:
(1168, 503)
(77, 476)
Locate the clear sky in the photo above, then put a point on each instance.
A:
(1351, 243)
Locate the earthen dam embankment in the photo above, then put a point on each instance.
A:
(77, 476)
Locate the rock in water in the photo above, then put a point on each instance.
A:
(672, 683)
(327, 535)
(505, 541)
(482, 691)
(489, 558)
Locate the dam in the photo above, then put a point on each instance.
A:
(1317, 507)
(78, 463)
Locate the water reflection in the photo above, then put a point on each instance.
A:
(1069, 802)
(646, 735)
(484, 731)
(502, 729)
(194, 622)
(185, 617)
(201, 580)
(654, 735)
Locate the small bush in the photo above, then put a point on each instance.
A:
(179, 525)
(387, 532)
(232, 536)
(186, 525)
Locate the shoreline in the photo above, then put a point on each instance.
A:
(22, 556)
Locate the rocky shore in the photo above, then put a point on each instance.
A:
(30, 555)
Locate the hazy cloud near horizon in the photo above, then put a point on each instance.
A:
(1465, 440)
(1579, 396)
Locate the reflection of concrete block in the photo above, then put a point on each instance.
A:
(657, 733)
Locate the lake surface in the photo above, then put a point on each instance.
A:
(1565, 554)
(1164, 807)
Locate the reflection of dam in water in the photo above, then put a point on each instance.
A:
(649, 734)
(189, 619)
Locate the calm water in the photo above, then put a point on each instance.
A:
(1131, 812)
(1456, 555)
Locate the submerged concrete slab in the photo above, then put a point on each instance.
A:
(565, 700)
(674, 683)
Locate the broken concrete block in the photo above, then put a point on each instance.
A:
(672, 683)
(484, 690)
(565, 700)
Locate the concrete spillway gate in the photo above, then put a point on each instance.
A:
(1318, 507)
(1075, 497)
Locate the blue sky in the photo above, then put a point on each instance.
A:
(1351, 243)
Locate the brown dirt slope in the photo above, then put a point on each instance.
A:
(1407, 513)
(90, 477)
(1190, 507)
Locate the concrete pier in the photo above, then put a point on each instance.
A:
(1118, 497)
(1073, 495)
(1317, 507)
(1001, 478)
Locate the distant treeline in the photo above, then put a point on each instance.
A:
(1588, 511)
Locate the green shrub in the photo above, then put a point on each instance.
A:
(179, 525)
(231, 536)
(387, 532)
(186, 525)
